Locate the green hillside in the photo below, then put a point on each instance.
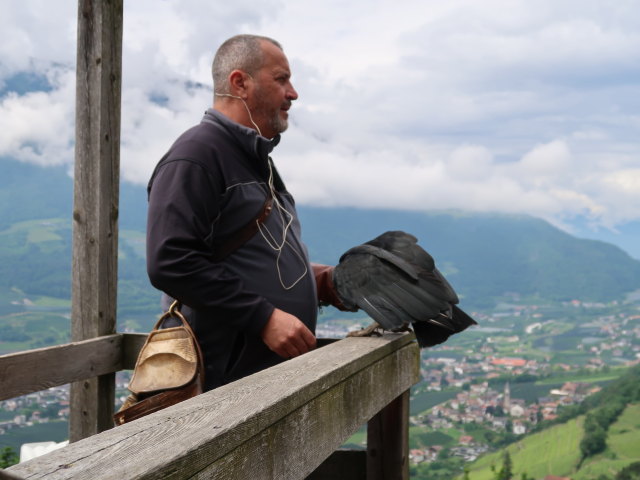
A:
(35, 280)
(552, 452)
(484, 256)
(556, 451)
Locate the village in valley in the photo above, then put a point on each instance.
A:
(480, 404)
(51, 405)
(522, 365)
(559, 355)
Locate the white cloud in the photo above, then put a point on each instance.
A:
(496, 105)
(38, 126)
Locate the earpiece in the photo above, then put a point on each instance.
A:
(228, 95)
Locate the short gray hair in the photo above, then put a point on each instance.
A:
(241, 52)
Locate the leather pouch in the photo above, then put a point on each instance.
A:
(169, 369)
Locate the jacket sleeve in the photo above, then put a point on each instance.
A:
(183, 207)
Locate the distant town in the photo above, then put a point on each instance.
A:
(480, 368)
(469, 366)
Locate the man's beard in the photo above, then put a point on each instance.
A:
(274, 120)
(278, 123)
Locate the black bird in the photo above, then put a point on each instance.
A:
(397, 283)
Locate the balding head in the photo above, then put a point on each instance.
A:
(241, 52)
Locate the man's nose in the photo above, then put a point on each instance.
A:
(291, 93)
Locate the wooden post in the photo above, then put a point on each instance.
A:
(95, 203)
(388, 442)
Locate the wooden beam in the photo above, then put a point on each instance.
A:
(4, 475)
(53, 366)
(279, 423)
(388, 442)
(95, 203)
(72, 362)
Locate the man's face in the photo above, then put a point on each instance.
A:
(273, 92)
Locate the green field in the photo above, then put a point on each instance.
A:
(590, 377)
(37, 231)
(57, 431)
(419, 437)
(358, 439)
(425, 400)
(624, 435)
(623, 447)
(32, 329)
(556, 451)
(552, 452)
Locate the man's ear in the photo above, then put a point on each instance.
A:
(238, 81)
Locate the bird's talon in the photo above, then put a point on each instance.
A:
(373, 329)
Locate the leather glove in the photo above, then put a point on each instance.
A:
(327, 294)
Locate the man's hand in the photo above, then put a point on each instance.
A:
(286, 335)
(326, 289)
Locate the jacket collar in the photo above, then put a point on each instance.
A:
(247, 137)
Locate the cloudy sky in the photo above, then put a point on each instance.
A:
(499, 105)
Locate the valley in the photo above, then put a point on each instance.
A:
(493, 385)
(559, 322)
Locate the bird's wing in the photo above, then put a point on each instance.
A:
(404, 249)
(397, 283)
(386, 287)
(361, 280)
(401, 264)
(439, 286)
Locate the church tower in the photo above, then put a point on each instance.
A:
(506, 399)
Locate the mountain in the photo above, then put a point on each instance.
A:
(35, 239)
(30, 192)
(484, 256)
(487, 255)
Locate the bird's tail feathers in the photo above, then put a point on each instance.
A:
(437, 330)
(429, 335)
(460, 319)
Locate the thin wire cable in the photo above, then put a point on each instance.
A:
(273, 243)
(280, 208)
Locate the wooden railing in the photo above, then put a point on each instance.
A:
(35, 370)
(282, 423)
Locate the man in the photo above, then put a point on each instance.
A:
(256, 306)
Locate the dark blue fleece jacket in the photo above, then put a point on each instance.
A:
(211, 183)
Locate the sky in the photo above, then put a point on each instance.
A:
(501, 105)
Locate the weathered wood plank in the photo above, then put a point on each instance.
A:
(4, 475)
(292, 448)
(279, 423)
(133, 342)
(95, 202)
(71, 362)
(35, 370)
(388, 441)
